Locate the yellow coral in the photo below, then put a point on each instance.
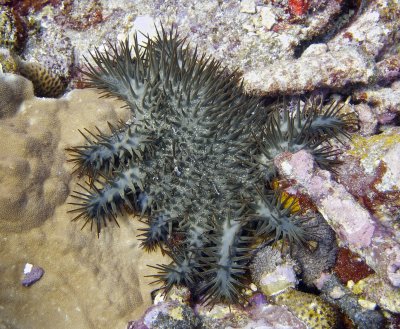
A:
(311, 309)
(376, 290)
(380, 144)
(177, 313)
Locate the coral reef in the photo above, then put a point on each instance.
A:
(350, 63)
(385, 101)
(9, 33)
(272, 273)
(350, 267)
(174, 311)
(15, 23)
(35, 227)
(354, 49)
(373, 288)
(363, 42)
(32, 172)
(371, 174)
(45, 82)
(311, 309)
(368, 238)
(13, 90)
(171, 314)
(267, 41)
(361, 316)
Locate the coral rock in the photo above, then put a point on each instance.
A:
(371, 173)
(389, 69)
(263, 315)
(367, 119)
(352, 223)
(248, 6)
(375, 289)
(272, 273)
(33, 179)
(45, 82)
(34, 225)
(384, 102)
(336, 69)
(350, 267)
(311, 309)
(352, 306)
(166, 315)
(14, 90)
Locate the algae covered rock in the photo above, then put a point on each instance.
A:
(375, 289)
(309, 308)
(273, 273)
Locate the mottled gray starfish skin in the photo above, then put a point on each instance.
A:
(195, 159)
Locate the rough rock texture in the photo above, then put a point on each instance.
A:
(350, 267)
(384, 100)
(375, 289)
(311, 309)
(262, 315)
(336, 69)
(347, 59)
(371, 173)
(353, 224)
(173, 311)
(389, 69)
(271, 272)
(362, 317)
(58, 59)
(367, 119)
(271, 42)
(166, 315)
(89, 282)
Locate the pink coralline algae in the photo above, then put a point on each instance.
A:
(384, 101)
(353, 224)
(175, 314)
